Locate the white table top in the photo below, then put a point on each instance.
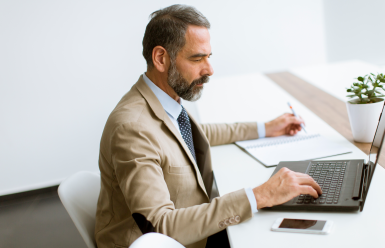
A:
(255, 98)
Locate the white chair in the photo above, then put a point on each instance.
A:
(155, 240)
(79, 194)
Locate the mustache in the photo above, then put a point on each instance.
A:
(202, 80)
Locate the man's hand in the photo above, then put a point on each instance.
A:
(285, 124)
(284, 186)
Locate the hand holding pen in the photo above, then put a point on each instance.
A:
(286, 124)
(295, 114)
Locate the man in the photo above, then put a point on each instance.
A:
(155, 163)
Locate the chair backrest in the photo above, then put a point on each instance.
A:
(152, 240)
(79, 194)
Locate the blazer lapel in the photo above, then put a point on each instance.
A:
(156, 106)
(202, 152)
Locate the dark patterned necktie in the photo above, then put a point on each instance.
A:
(185, 130)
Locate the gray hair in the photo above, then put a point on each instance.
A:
(167, 28)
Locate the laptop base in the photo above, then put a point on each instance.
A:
(334, 176)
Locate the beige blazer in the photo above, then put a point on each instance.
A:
(150, 182)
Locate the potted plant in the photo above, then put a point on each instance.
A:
(366, 105)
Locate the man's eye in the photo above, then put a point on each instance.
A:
(197, 60)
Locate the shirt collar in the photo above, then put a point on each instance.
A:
(171, 106)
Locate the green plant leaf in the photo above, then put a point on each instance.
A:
(357, 91)
(360, 79)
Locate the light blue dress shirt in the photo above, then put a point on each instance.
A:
(173, 109)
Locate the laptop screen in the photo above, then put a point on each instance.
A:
(375, 150)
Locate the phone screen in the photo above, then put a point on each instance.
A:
(303, 224)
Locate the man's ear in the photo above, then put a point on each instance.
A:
(160, 58)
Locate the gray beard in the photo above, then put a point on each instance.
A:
(181, 87)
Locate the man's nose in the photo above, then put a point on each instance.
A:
(208, 69)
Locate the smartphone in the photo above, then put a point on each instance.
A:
(302, 226)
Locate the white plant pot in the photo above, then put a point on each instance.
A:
(364, 119)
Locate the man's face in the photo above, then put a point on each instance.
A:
(191, 68)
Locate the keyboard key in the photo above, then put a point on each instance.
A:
(299, 201)
(307, 201)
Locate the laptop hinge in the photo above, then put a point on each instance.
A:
(368, 172)
(358, 182)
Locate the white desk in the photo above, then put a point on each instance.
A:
(255, 97)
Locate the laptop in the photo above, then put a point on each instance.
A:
(345, 183)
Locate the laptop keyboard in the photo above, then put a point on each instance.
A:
(330, 176)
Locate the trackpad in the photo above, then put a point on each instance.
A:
(297, 166)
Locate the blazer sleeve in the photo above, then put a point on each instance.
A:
(220, 134)
(137, 158)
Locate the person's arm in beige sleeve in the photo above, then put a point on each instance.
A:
(137, 157)
(221, 134)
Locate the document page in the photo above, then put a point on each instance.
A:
(272, 150)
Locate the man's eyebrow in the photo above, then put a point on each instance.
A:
(200, 55)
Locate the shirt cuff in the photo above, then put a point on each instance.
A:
(252, 200)
(261, 130)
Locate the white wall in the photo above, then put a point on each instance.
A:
(355, 29)
(65, 64)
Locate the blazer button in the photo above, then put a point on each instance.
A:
(232, 220)
(222, 224)
(227, 222)
(237, 218)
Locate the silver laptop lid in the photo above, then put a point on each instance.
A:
(375, 150)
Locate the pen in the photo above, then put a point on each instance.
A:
(295, 114)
